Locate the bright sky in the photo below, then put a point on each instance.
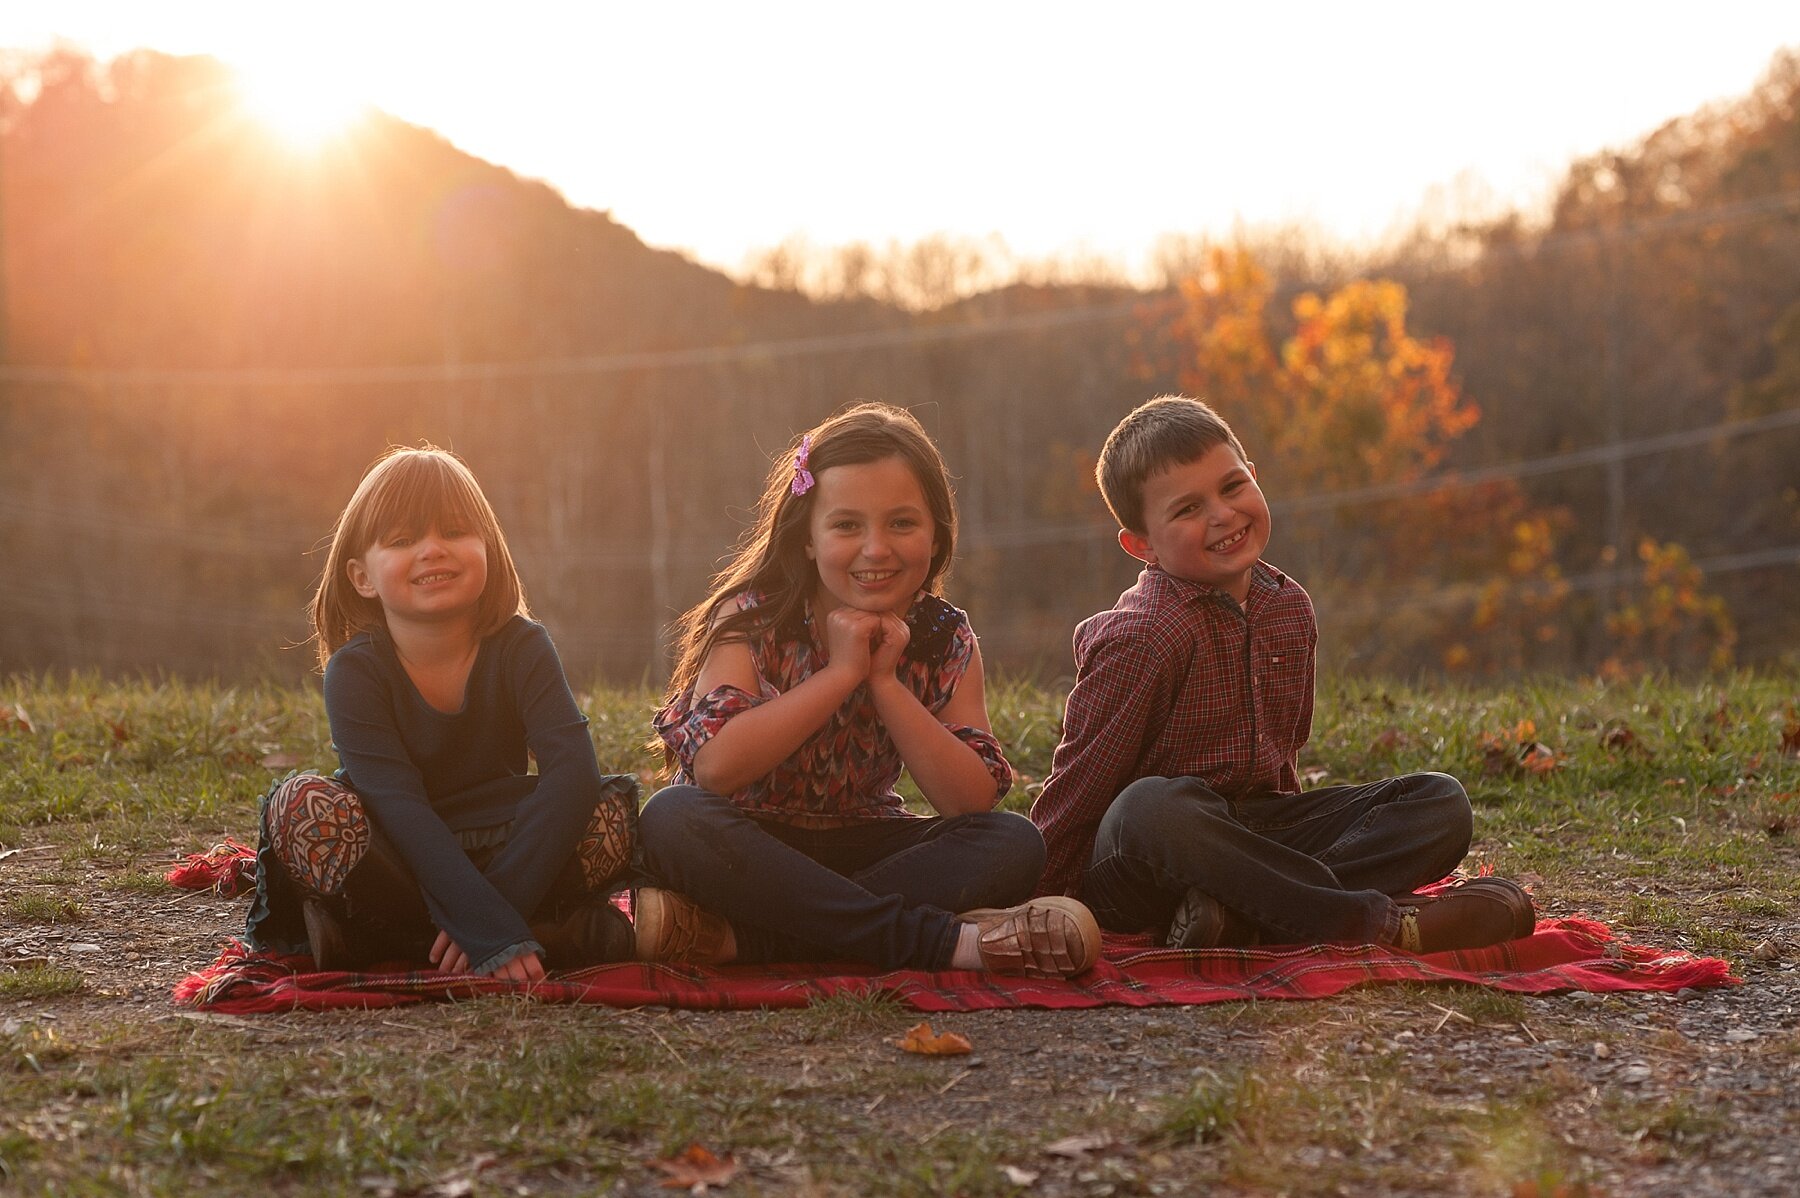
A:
(723, 127)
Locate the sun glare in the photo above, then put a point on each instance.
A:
(300, 106)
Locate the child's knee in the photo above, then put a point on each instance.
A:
(1019, 844)
(317, 829)
(677, 812)
(1452, 815)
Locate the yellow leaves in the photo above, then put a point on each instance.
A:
(922, 1040)
(695, 1169)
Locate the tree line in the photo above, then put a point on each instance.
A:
(204, 338)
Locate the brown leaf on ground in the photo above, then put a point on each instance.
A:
(921, 1039)
(1537, 758)
(1790, 734)
(695, 1169)
(1620, 736)
(16, 718)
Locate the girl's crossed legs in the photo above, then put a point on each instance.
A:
(885, 892)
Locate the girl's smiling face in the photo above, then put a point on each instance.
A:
(871, 535)
(433, 575)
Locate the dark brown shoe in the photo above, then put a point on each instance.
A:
(326, 938)
(1201, 921)
(595, 933)
(1472, 913)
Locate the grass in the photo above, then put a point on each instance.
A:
(1667, 813)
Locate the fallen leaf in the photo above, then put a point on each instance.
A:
(1790, 734)
(120, 733)
(281, 761)
(1768, 950)
(1018, 1176)
(16, 717)
(1620, 736)
(1074, 1147)
(1536, 758)
(921, 1039)
(695, 1169)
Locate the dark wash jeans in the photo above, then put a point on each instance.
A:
(1304, 868)
(882, 892)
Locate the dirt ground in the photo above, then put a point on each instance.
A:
(1729, 1057)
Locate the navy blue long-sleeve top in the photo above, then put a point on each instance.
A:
(426, 775)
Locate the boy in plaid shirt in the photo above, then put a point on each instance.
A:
(1173, 804)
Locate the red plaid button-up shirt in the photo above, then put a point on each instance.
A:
(1178, 681)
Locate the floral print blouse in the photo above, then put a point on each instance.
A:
(845, 772)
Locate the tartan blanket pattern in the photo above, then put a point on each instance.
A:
(1562, 955)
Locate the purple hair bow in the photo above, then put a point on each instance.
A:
(803, 479)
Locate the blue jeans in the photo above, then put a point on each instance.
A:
(882, 892)
(1304, 868)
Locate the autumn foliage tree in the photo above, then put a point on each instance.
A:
(1348, 414)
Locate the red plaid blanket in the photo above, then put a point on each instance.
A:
(1563, 954)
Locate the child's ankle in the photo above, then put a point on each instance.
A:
(967, 953)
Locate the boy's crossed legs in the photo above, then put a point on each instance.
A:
(1322, 865)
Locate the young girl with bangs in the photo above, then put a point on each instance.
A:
(433, 842)
(822, 662)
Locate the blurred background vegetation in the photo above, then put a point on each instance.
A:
(1493, 448)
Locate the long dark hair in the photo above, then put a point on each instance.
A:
(771, 558)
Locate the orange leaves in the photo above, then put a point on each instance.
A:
(922, 1040)
(695, 1169)
(1518, 752)
(1790, 734)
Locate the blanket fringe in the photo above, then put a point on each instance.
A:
(228, 869)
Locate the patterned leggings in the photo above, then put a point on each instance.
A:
(319, 833)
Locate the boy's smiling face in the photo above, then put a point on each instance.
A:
(1205, 520)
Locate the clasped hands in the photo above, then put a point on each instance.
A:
(868, 644)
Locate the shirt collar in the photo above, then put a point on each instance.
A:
(1264, 579)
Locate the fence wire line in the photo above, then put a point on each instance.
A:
(975, 535)
(1763, 207)
(453, 372)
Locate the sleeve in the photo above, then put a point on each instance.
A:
(1119, 683)
(462, 902)
(685, 727)
(959, 652)
(987, 747)
(551, 820)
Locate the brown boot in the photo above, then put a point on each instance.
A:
(326, 937)
(1472, 913)
(672, 927)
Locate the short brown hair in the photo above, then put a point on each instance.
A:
(410, 490)
(1167, 431)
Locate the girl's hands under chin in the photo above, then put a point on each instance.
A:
(893, 636)
(850, 636)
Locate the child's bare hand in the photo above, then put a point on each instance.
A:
(850, 636)
(447, 956)
(526, 968)
(893, 637)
